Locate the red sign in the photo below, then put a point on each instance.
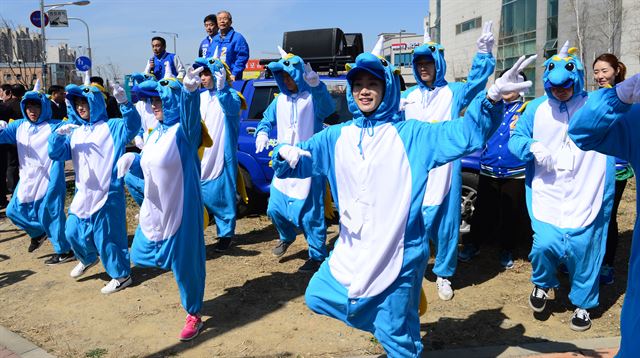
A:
(254, 65)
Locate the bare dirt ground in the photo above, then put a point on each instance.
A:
(254, 304)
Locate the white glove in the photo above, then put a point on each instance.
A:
(118, 92)
(261, 141)
(139, 142)
(509, 82)
(629, 90)
(192, 79)
(291, 154)
(542, 155)
(486, 40)
(66, 128)
(403, 104)
(124, 163)
(310, 76)
(221, 78)
(3, 124)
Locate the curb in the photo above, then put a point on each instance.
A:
(21, 346)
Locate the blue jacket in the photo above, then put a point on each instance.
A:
(203, 49)
(496, 160)
(233, 49)
(177, 69)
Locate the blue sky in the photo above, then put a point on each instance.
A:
(120, 30)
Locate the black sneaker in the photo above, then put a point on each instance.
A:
(280, 248)
(310, 266)
(538, 298)
(222, 245)
(60, 258)
(36, 242)
(580, 320)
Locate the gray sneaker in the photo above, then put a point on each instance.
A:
(280, 248)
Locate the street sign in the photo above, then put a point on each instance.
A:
(83, 63)
(58, 18)
(35, 19)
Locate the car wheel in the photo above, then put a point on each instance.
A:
(469, 195)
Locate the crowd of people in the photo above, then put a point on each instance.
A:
(553, 158)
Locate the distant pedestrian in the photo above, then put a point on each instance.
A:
(58, 105)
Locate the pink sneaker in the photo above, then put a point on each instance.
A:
(191, 328)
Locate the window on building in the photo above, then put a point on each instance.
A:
(518, 35)
(403, 59)
(18, 77)
(7, 77)
(469, 25)
(551, 45)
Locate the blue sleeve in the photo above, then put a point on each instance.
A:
(320, 145)
(59, 147)
(269, 118)
(323, 103)
(135, 168)
(453, 139)
(8, 135)
(242, 55)
(132, 120)
(482, 67)
(190, 116)
(522, 137)
(229, 101)
(607, 125)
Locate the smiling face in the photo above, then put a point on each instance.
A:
(33, 110)
(82, 107)
(211, 28)
(604, 74)
(368, 91)
(156, 107)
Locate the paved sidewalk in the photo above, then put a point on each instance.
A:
(14, 346)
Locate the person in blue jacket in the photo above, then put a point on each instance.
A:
(569, 191)
(211, 27)
(378, 165)
(96, 224)
(234, 49)
(500, 208)
(220, 107)
(156, 65)
(610, 123)
(171, 230)
(37, 205)
(432, 100)
(297, 112)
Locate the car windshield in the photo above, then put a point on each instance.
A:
(263, 96)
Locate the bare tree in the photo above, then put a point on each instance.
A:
(612, 26)
(20, 58)
(580, 11)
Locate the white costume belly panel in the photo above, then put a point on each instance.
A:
(296, 122)
(565, 198)
(161, 209)
(35, 164)
(92, 154)
(374, 209)
(148, 119)
(213, 116)
(433, 106)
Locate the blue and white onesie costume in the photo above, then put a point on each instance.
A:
(569, 205)
(220, 111)
(443, 102)
(134, 179)
(611, 126)
(378, 167)
(96, 224)
(298, 202)
(37, 206)
(170, 235)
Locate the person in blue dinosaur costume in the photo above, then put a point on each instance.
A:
(220, 107)
(37, 206)
(297, 112)
(170, 234)
(609, 123)
(378, 167)
(96, 224)
(432, 100)
(569, 191)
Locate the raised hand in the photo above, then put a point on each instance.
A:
(485, 41)
(511, 81)
(192, 80)
(118, 92)
(221, 78)
(310, 76)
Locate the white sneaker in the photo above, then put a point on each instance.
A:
(116, 285)
(81, 268)
(445, 292)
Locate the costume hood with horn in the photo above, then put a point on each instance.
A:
(297, 113)
(37, 206)
(440, 101)
(377, 166)
(569, 191)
